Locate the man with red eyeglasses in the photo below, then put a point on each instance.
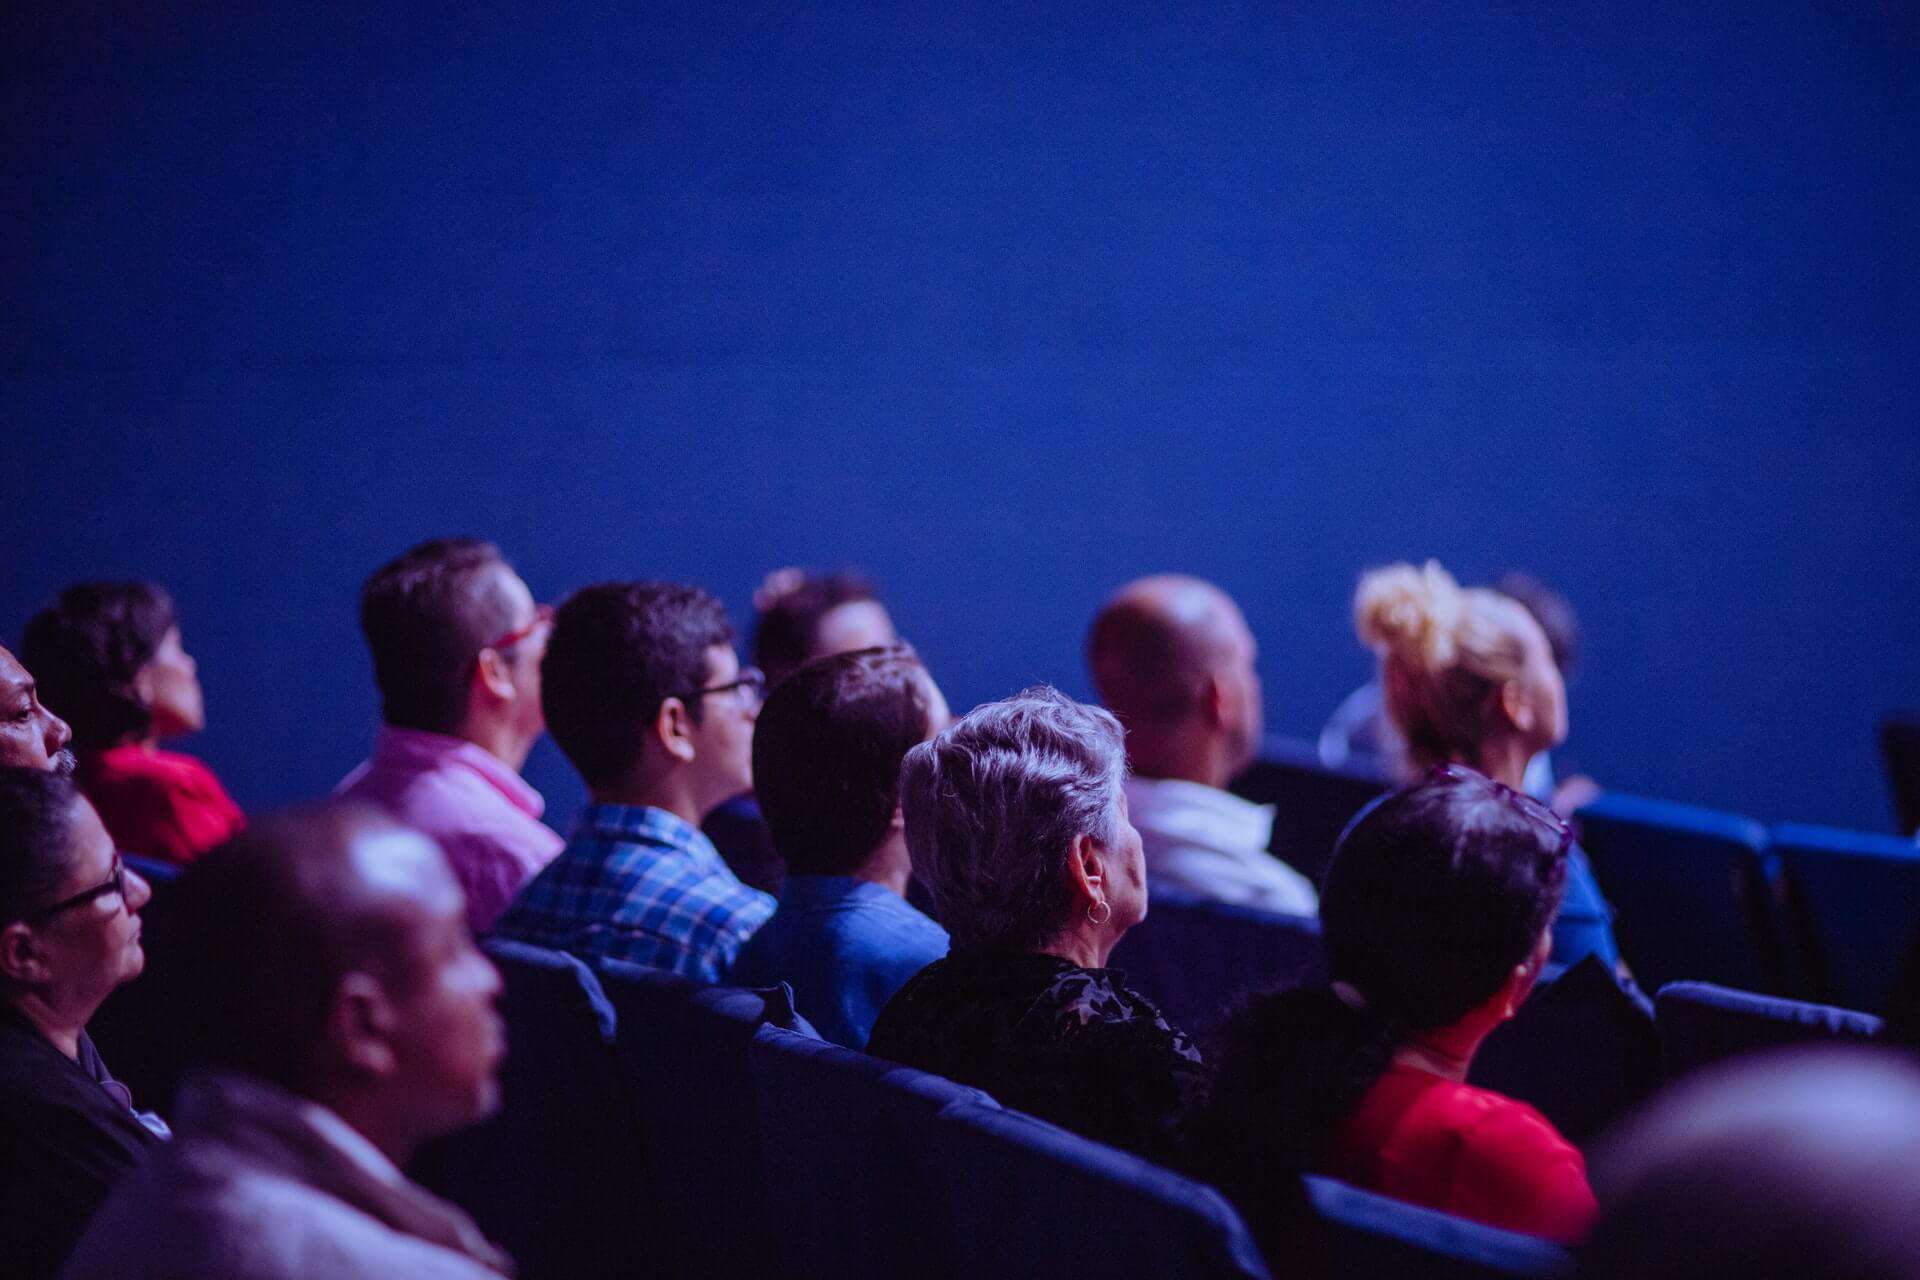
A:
(457, 640)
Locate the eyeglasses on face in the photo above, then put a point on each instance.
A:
(116, 882)
(750, 687)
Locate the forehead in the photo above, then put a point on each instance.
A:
(723, 664)
(13, 676)
(858, 624)
(91, 848)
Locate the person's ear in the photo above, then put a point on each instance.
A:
(1214, 702)
(1517, 706)
(360, 1025)
(144, 685)
(1525, 976)
(493, 674)
(20, 954)
(673, 730)
(1088, 868)
(898, 822)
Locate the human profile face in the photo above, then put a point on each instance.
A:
(858, 624)
(31, 737)
(1541, 685)
(531, 628)
(1244, 716)
(170, 684)
(93, 946)
(723, 739)
(1126, 873)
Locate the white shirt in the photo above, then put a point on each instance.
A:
(1212, 844)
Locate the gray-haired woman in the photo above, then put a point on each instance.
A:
(1017, 824)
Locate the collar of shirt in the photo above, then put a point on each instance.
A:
(830, 891)
(644, 824)
(1195, 814)
(418, 751)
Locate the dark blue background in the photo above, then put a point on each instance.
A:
(1008, 307)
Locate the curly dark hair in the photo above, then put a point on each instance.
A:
(36, 838)
(85, 651)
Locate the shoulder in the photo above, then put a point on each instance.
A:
(1096, 1007)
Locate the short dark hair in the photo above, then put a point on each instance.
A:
(618, 650)
(85, 650)
(826, 755)
(786, 632)
(426, 615)
(36, 838)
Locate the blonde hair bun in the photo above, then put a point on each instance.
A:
(1411, 614)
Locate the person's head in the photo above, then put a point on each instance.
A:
(1776, 1167)
(1436, 918)
(457, 640)
(1465, 671)
(827, 752)
(1172, 657)
(803, 616)
(31, 736)
(1017, 824)
(645, 694)
(326, 951)
(1553, 611)
(108, 657)
(69, 909)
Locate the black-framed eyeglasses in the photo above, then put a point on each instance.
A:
(1518, 801)
(750, 687)
(116, 882)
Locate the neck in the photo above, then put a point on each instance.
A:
(889, 867)
(395, 1139)
(59, 1025)
(502, 741)
(1086, 947)
(1505, 761)
(1447, 1052)
(670, 792)
(1182, 753)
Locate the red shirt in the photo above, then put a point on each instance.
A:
(158, 804)
(1470, 1152)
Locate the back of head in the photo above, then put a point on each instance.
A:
(36, 838)
(791, 605)
(1553, 611)
(993, 804)
(826, 755)
(617, 652)
(1445, 651)
(1780, 1167)
(426, 615)
(1152, 644)
(86, 649)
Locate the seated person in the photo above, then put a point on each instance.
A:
(826, 766)
(1173, 659)
(109, 659)
(340, 1017)
(1469, 679)
(801, 617)
(1017, 823)
(1435, 914)
(69, 934)
(31, 737)
(647, 698)
(456, 641)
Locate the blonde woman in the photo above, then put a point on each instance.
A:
(1469, 678)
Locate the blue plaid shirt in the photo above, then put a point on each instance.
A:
(639, 884)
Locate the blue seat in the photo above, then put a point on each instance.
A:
(1692, 890)
(1372, 1237)
(1194, 958)
(1312, 803)
(845, 1157)
(1855, 900)
(1021, 1197)
(1701, 1024)
(1900, 749)
(554, 1176)
(683, 1055)
(152, 870)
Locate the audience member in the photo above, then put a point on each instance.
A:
(1017, 823)
(826, 766)
(31, 736)
(647, 698)
(69, 934)
(1435, 914)
(1469, 679)
(108, 656)
(457, 641)
(1803, 1165)
(1173, 659)
(800, 617)
(340, 1017)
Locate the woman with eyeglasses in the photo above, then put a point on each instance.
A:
(1436, 915)
(69, 934)
(1469, 678)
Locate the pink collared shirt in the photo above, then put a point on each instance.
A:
(484, 815)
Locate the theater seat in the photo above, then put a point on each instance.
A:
(1701, 1024)
(1193, 958)
(1372, 1237)
(1856, 900)
(1900, 749)
(554, 1177)
(1692, 890)
(1312, 803)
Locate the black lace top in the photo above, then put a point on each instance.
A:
(1044, 1036)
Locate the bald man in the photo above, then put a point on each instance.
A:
(339, 1016)
(1173, 659)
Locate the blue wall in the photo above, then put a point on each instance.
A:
(1006, 307)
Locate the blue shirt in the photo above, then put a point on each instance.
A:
(641, 885)
(1585, 923)
(845, 946)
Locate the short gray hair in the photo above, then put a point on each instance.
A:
(993, 804)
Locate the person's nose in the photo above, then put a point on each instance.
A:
(59, 733)
(139, 892)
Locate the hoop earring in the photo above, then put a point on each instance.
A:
(1106, 913)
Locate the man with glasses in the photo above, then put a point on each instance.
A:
(644, 693)
(457, 640)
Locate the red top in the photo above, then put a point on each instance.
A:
(1419, 1137)
(158, 804)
